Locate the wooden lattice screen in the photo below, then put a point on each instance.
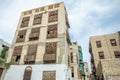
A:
(37, 19)
(34, 35)
(53, 16)
(49, 75)
(25, 21)
(52, 31)
(21, 36)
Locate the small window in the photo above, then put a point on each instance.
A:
(113, 42)
(98, 43)
(117, 54)
(101, 55)
(86, 69)
(34, 35)
(25, 21)
(37, 10)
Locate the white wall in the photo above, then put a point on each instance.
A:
(16, 72)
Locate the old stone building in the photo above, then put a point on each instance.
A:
(40, 46)
(105, 56)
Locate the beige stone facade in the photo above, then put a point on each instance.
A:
(105, 52)
(50, 25)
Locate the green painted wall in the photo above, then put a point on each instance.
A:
(81, 64)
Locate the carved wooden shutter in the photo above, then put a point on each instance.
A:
(32, 49)
(72, 70)
(37, 19)
(25, 21)
(21, 36)
(17, 50)
(53, 16)
(34, 35)
(71, 55)
(49, 75)
(52, 31)
(51, 48)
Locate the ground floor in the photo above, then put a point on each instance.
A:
(38, 72)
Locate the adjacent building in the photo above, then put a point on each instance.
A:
(74, 61)
(40, 46)
(105, 56)
(81, 63)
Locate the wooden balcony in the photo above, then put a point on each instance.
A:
(29, 58)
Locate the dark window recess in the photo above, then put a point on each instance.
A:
(113, 42)
(52, 31)
(37, 19)
(53, 16)
(21, 36)
(68, 37)
(16, 55)
(49, 75)
(101, 55)
(34, 35)
(17, 58)
(72, 69)
(1, 71)
(71, 56)
(117, 54)
(98, 43)
(50, 53)
(27, 73)
(30, 57)
(25, 22)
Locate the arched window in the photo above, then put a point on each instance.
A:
(27, 73)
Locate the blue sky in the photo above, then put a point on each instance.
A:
(87, 18)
